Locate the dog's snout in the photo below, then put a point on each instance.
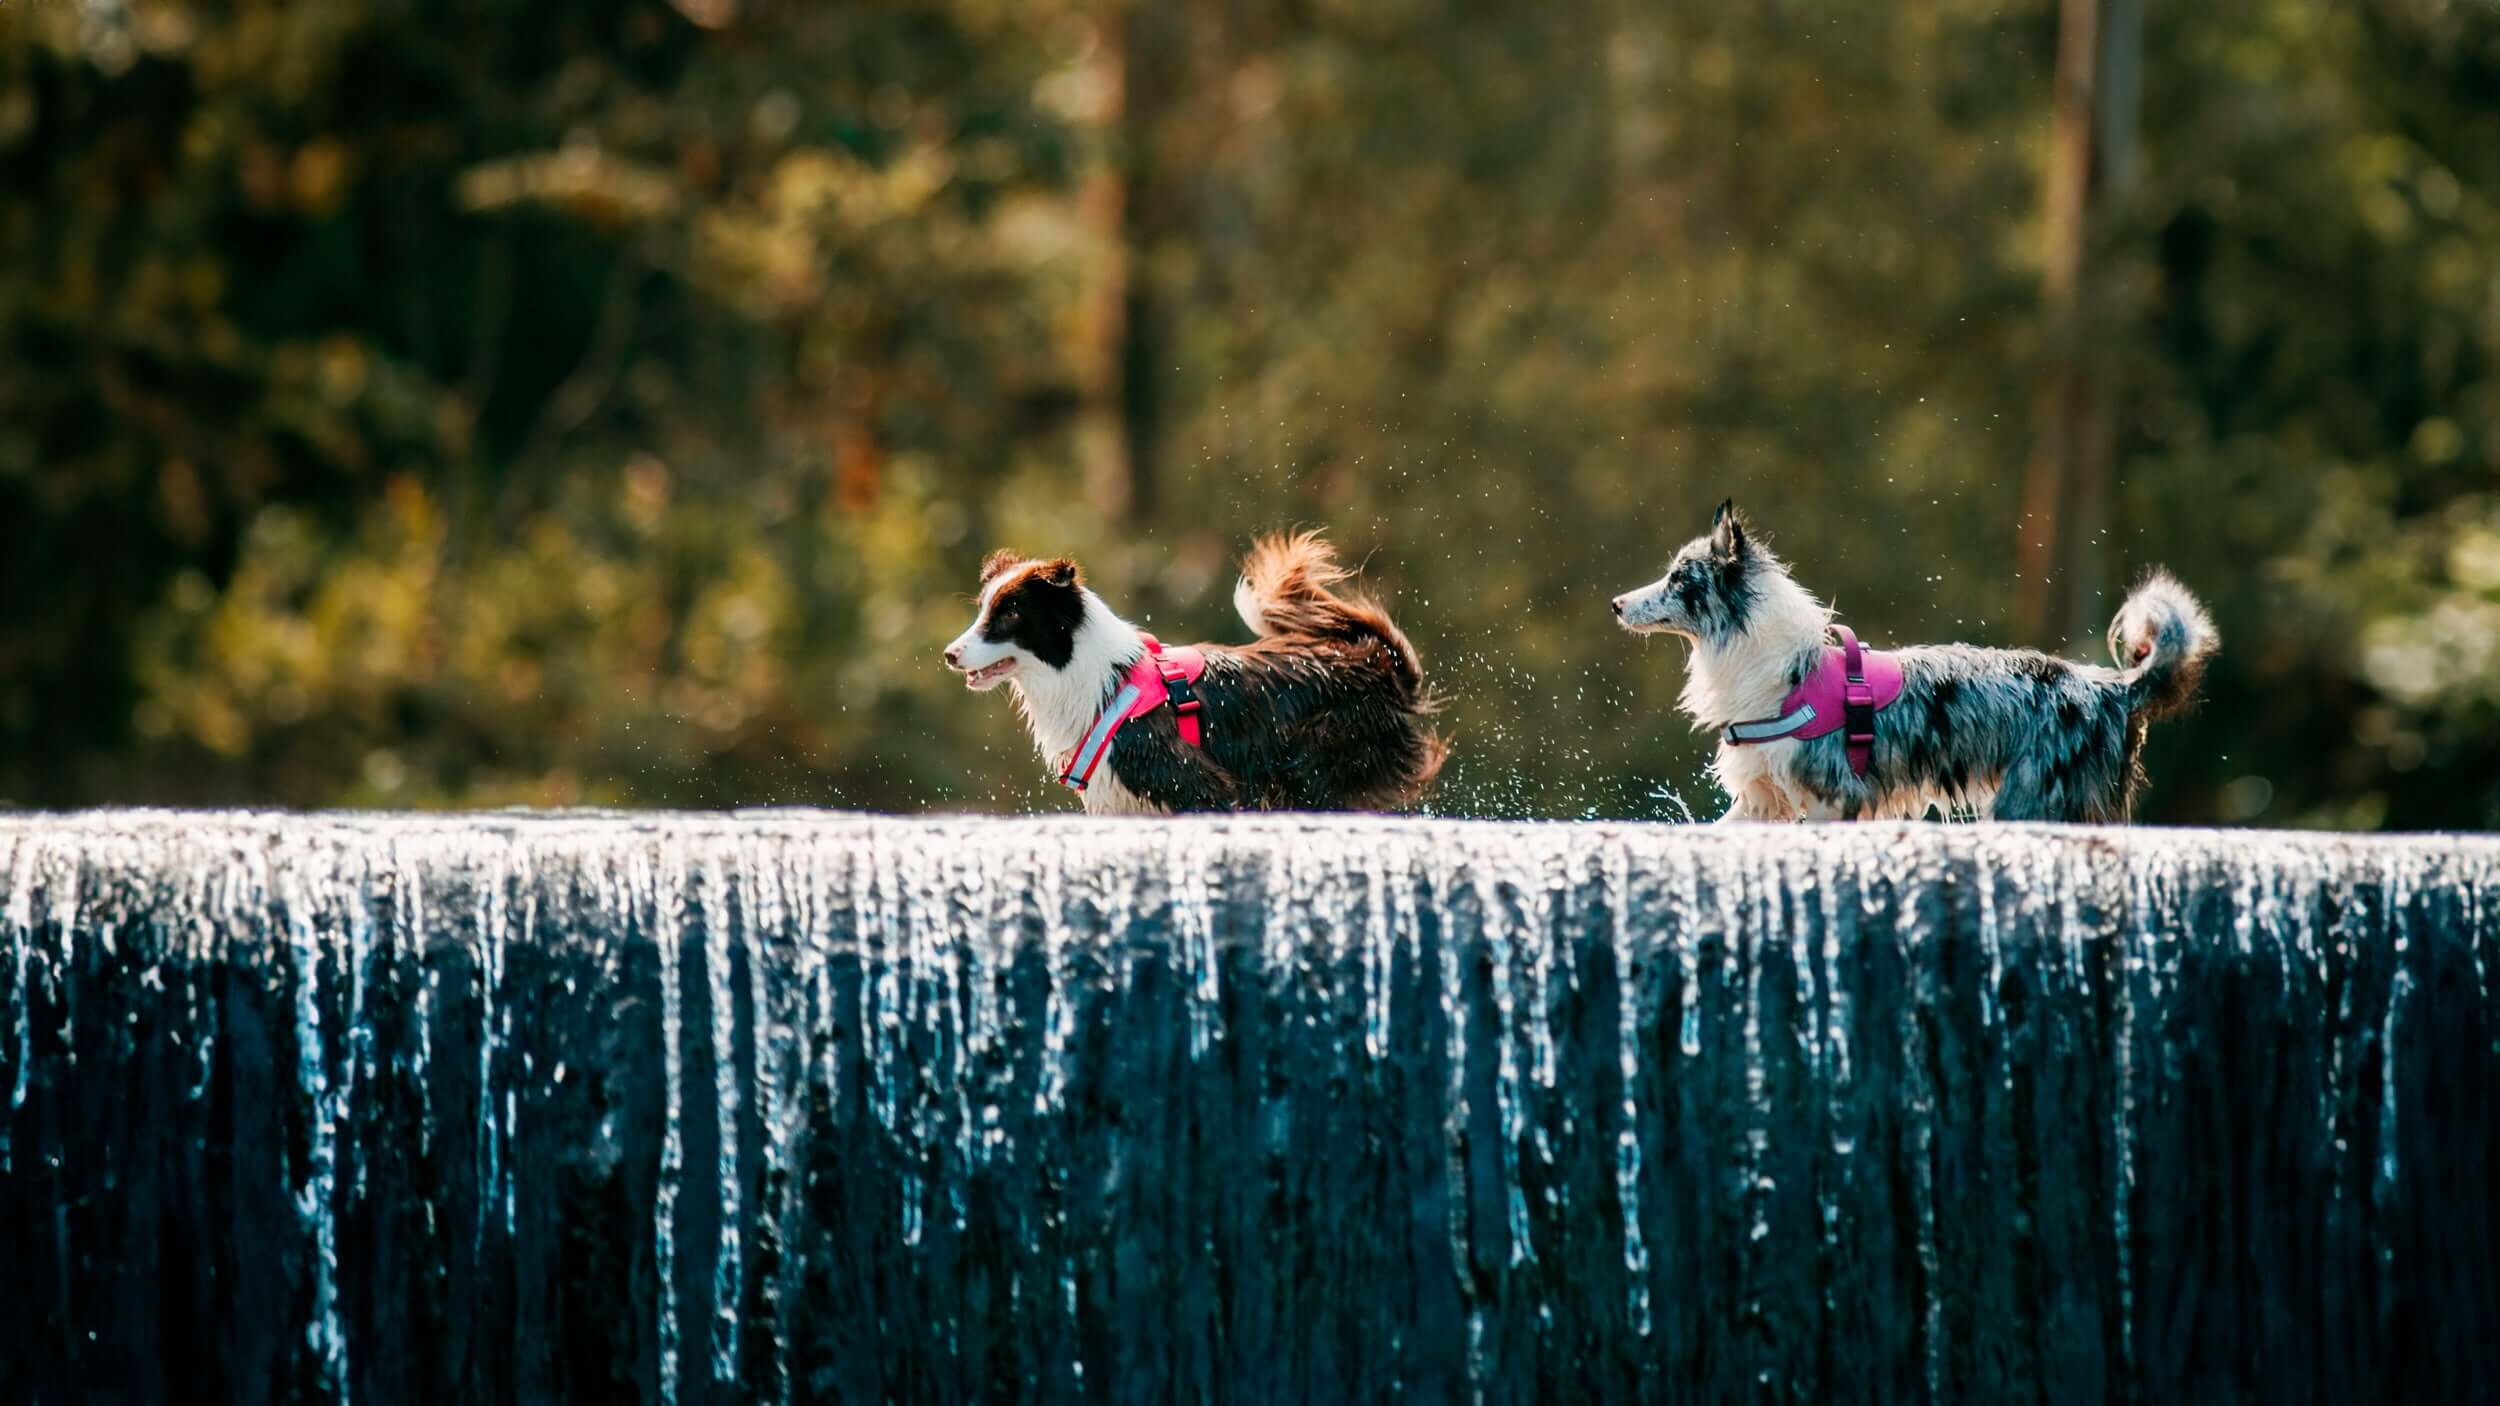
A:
(954, 656)
(1618, 607)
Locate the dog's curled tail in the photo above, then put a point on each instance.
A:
(2161, 640)
(1286, 589)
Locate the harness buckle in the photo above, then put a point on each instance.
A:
(1177, 691)
(1861, 720)
(1859, 708)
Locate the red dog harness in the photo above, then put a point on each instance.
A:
(1159, 676)
(1849, 688)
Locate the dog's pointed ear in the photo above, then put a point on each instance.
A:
(1061, 572)
(1727, 532)
(998, 562)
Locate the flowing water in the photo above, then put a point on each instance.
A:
(794, 1107)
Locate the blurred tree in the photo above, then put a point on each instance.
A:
(387, 389)
(2318, 236)
(471, 403)
(2065, 508)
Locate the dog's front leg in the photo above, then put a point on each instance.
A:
(1751, 785)
(1758, 799)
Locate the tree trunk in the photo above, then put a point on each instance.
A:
(1103, 201)
(1130, 212)
(2068, 483)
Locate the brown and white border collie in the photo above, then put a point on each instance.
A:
(1325, 710)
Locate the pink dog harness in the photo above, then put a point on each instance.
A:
(1849, 687)
(1159, 676)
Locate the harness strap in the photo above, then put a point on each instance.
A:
(1097, 745)
(1179, 693)
(1859, 702)
(1153, 681)
(1842, 691)
(1769, 729)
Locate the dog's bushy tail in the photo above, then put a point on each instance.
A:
(2161, 640)
(1287, 588)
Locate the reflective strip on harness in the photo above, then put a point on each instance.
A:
(1098, 743)
(1769, 729)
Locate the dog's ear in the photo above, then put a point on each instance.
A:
(1061, 572)
(997, 562)
(1727, 532)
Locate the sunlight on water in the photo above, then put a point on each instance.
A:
(18, 918)
(1294, 1108)
(665, 890)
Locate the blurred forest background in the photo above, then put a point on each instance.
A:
(479, 402)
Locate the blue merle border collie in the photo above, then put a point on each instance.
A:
(2011, 734)
(1324, 710)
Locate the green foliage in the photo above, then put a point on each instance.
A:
(477, 403)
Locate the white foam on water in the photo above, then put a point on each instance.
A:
(664, 888)
(721, 1004)
(983, 953)
(18, 918)
(1630, 978)
(315, 1192)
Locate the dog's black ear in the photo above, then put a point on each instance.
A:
(999, 561)
(1727, 532)
(1061, 572)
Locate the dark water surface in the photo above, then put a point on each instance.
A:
(794, 1107)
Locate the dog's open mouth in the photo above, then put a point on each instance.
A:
(989, 674)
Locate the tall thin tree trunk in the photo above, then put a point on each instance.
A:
(1128, 209)
(2061, 405)
(1102, 441)
(2067, 484)
(2113, 136)
(1158, 70)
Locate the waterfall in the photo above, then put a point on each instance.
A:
(806, 1107)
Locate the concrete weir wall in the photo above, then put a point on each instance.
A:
(801, 1107)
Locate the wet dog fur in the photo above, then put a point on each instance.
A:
(1324, 710)
(2011, 734)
